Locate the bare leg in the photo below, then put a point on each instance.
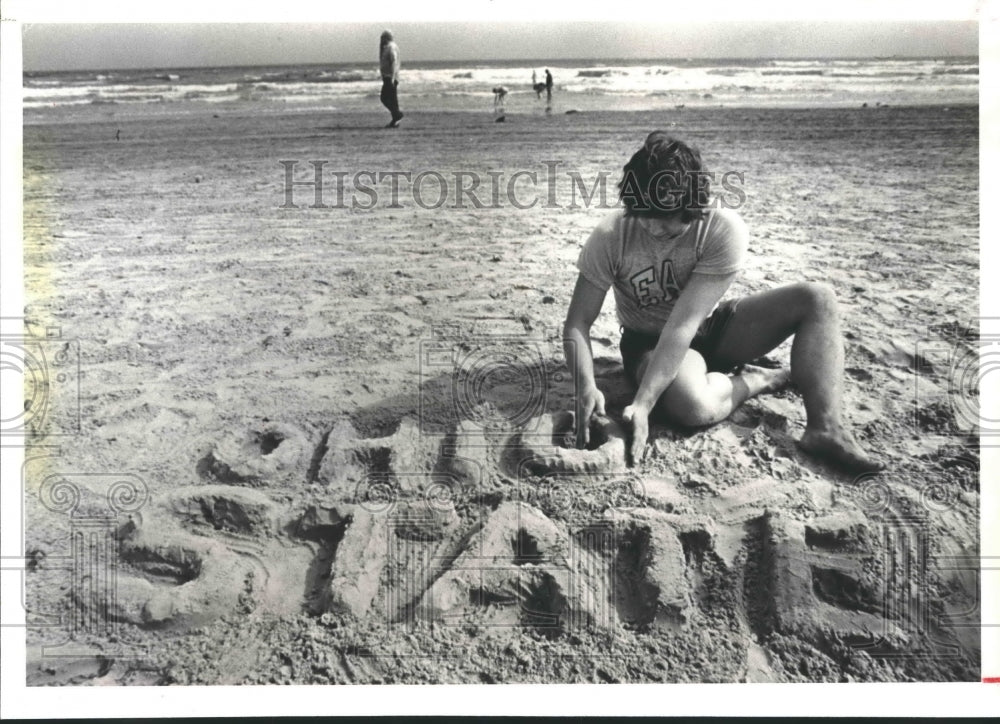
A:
(697, 397)
(809, 311)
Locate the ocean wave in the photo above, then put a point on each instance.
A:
(346, 77)
(794, 72)
(956, 71)
(728, 71)
(741, 81)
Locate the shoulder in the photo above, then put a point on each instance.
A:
(609, 231)
(724, 227)
(726, 220)
(603, 248)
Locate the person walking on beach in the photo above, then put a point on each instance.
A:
(671, 258)
(548, 86)
(388, 54)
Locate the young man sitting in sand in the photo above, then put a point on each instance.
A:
(670, 259)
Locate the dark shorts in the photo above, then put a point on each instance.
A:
(706, 340)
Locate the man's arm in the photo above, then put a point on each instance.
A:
(583, 310)
(695, 303)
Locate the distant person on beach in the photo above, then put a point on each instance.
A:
(671, 257)
(388, 54)
(548, 85)
(499, 93)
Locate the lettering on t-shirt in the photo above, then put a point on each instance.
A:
(645, 284)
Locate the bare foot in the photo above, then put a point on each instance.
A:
(761, 380)
(840, 449)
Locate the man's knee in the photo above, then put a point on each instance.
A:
(691, 411)
(818, 299)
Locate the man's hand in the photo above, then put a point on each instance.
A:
(588, 402)
(637, 418)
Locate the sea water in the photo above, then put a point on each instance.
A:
(578, 85)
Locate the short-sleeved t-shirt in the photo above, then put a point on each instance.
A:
(649, 272)
(389, 60)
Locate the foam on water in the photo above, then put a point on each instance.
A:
(578, 83)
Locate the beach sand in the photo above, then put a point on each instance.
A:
(236, 359)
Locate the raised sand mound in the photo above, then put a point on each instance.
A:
(549, 446)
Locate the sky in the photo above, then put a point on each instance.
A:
(93, 46)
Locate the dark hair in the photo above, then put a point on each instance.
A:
(664, 178)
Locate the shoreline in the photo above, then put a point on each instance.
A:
(370, 106)
(125, 112)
